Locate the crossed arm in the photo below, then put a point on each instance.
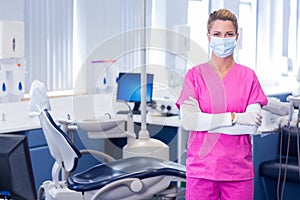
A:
(228, 123)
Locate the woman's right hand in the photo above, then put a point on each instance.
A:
(248, 118)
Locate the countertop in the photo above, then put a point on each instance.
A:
(15, 116)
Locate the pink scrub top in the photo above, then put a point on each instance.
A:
(217, 156)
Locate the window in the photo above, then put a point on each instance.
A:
(246, 53)
(291, 33)
(198, 12)
(48, 43)
(277, 37)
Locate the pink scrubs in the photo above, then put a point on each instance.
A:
(217, 156)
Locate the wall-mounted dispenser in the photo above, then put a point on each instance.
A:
(11, 39)
(15, 81)
(105, 75)
(12, 62)
(3, 86)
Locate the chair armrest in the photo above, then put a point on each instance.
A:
(134, 184)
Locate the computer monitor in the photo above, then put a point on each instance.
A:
(16, 175)
(129, 89)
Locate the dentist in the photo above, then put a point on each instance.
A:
(220, 105)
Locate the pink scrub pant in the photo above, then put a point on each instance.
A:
(203, 189)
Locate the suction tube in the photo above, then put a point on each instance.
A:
(290, 118)
(298, 147)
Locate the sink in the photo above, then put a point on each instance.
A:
(99, 124)
(103, 127)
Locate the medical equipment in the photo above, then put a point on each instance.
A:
(286, 168)
(277, 107)
(291, 111)
(294, 102)
(137, 88)
(164, 108)
(130, 178)
(104, 127)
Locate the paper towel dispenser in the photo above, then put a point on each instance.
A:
(11, 39)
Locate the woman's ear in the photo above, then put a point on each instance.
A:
(208, 37)
(237, 36)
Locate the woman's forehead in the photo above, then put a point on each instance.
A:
(221, 25)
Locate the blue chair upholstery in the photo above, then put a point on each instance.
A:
(134, 167)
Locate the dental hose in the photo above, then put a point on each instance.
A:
(280, 195)
(279, 173)
(298, 152)
(291, 110)
(298, 147)
(286, 161)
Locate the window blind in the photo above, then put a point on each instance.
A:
(48, 43)
(135, 15)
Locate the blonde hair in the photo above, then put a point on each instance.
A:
(222, 14)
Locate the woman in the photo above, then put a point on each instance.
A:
(220, 105)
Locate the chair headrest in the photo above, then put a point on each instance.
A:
(38, 98)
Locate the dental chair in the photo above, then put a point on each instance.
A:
(131, 178)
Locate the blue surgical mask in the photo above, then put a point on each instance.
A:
(222, 47)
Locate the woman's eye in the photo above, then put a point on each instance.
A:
(230, 34)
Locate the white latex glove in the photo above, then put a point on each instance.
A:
(194, 119)
(192, 105)
(248, 118)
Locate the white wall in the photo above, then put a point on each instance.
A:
(12, 10)
(97, 21)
